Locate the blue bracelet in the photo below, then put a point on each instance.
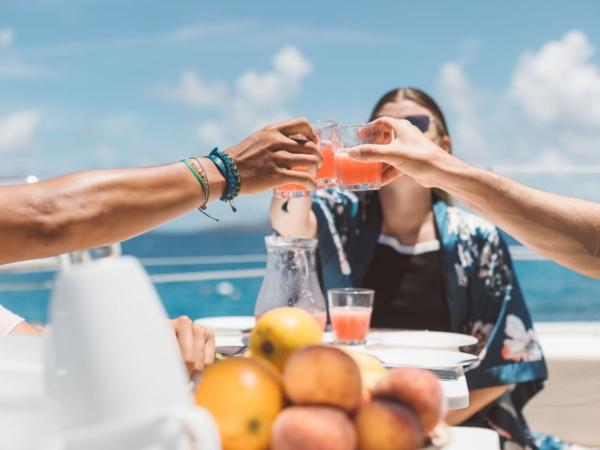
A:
(228, 168)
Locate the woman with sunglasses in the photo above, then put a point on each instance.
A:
(433, 266)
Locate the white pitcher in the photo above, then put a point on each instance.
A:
(112, 361)
(174, 429)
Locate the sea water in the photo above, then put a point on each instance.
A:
(552, 292)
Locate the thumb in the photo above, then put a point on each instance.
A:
(371, 153)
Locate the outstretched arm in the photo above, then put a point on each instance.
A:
(91, 209)
(564, 229)
(293, 217)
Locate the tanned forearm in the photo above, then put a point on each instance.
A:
(298, 220)
(564, 229)
(91, 209)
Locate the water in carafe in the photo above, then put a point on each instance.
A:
(291, 278)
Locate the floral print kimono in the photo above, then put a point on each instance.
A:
(482, 292)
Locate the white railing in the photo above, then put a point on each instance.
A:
(519, 253)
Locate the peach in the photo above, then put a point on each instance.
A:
(418, 389)
(385, 425)
(314, 428)
(322, 375)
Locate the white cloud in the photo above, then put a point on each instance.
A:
(260, 98)
(461, 99)
(105, 156)
(192, 90)
(17, 130)
(6, 37)
(254, 99)
(276, 86)
(255, 93)
(12, 64)
(119, 125)
(559, 84)
(211, 132)
(201, 30)
(544, 128)
(195, 31)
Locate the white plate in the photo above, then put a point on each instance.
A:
(421, 339)
(432, 359)
(227, 323)
(224, 340)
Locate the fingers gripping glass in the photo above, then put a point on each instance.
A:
(354, 175)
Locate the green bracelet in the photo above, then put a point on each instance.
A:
(198, 177)
(202, 178)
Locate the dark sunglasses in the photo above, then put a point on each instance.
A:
(421, 122)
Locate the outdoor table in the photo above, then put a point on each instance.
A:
(456, 392)
(467, 438)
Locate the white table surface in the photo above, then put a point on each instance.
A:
(456, 392)
(465, 438)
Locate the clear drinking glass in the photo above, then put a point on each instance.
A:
(291, 278)
(350, 311)
(328, 143)
(354, 175)
(293, 190)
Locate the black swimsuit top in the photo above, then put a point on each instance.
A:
(409, 288)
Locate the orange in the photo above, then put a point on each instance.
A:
(244, 395)
(281, 331)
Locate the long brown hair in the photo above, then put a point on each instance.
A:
(426, 101)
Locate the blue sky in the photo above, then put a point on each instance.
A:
(87, 84)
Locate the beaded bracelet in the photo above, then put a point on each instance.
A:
(228, 168)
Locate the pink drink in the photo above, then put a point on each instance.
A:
(351, 323)
(292, 190)
(326, 173)
(354, 175)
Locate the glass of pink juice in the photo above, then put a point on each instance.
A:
(328, 142)
(292, 190)
(352, 175)
(350, 311)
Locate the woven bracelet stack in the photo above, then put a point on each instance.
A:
(228, 169)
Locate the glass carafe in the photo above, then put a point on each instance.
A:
(291, 278)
